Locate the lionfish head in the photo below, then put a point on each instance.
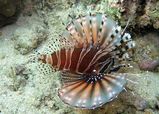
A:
(85, 56)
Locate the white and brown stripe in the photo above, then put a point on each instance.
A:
(88, 49)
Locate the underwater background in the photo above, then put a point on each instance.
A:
(28, 25)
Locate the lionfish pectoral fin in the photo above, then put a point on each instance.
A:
(113, 84)
(68, 77)
(44, 68)
(34, 57)
(40, 67)
(92, 94)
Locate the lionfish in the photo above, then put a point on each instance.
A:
(85, 55)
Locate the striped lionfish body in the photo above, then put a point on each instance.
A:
(85, 55)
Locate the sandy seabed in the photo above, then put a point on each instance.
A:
(25, 91)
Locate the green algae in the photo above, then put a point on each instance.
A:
(154, 12)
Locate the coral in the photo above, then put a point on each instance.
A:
(143, 13)
(148, 47)
(25, 40)
(19, 74)
(152, 10)
(112, 9)
(30, 92)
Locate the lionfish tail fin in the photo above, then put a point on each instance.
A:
(91, 92)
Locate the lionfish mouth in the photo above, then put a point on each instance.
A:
(85, 55)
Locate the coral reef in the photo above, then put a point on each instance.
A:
(24, 90)
(143, 12)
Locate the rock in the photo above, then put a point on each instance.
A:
(149, 65)
(140, 104)
(134, 100)
(9, 10)
(148, 111)
(19, 69)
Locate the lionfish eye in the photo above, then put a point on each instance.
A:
(127, 38)
(116, 31)
(90, 21)
(100, 29)
(112, 36)
(102, 22)
(84, 56)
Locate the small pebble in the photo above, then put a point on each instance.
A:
(140, 104)
(149, 65)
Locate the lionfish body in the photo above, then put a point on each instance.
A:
(85, 55)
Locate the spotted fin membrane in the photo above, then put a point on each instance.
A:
(85, 55)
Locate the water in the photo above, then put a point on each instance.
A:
(25, 90)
